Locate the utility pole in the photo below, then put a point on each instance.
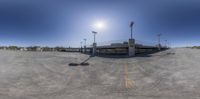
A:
(85, 45)
(94, 44)
(159, 45)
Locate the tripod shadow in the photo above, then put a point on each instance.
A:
(84, 63)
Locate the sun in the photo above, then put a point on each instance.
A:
(99, 24)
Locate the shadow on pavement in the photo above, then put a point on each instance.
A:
(84, 63)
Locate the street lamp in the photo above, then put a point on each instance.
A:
(159, 38)
(85, 45)
(131, 26)
(166, 43)
(81, 46)
(85, 41)
(131, 42)
(94, 44)
(159, 45)
(94, 35)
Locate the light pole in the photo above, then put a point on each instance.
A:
(131, 42)
(159, 38)
(85, 45)
(94, 44)
(85, 42)
(94, 35)
(166, 43)
(159, 45)
(81, 46)
(131, 26)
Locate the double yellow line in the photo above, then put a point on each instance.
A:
(128, 82)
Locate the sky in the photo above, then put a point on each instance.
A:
(67, 22)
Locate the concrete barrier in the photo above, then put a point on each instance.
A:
(131, 47)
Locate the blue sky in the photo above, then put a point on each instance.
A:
(67, 22)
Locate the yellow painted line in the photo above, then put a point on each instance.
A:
(128, 82)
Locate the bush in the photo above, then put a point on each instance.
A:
(13, 47)
(196, 47)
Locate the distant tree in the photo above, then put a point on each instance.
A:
(47, 48)
(13, 48)
(196, 47)
(33, 48)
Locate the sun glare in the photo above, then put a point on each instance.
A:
(99, 25)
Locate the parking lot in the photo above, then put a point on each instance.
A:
(168, 74)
